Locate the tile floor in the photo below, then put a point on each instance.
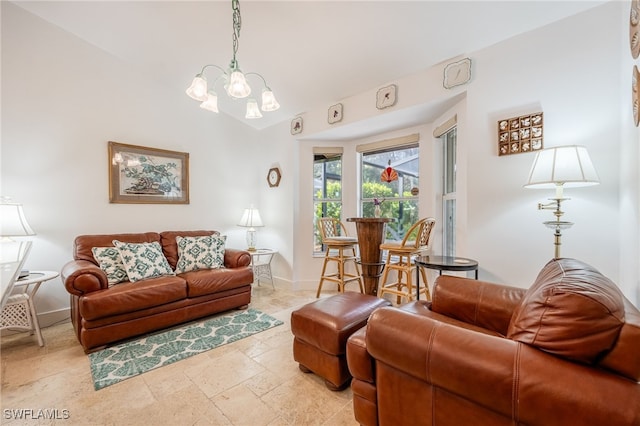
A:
(254, 381)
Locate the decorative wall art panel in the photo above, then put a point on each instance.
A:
(142, 175)
(520, 134)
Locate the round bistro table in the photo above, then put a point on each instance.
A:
(444, 263)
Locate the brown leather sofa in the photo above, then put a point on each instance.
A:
(101, 314)
(564, 352)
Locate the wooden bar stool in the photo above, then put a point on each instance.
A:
(403, 251)
(340, 249)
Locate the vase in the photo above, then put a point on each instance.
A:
(376, 211)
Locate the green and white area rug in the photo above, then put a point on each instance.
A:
(117, 363)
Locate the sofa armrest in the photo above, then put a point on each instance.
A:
(474, 365)
(502, 375)
(361, 364)
(235, 258)
(481, 303)
(81, 277)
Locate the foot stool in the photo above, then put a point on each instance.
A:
(321, 330)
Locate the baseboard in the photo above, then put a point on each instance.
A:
(47, 319)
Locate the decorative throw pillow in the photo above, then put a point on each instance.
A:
(111, 263)
(143, 260)
(203, 252)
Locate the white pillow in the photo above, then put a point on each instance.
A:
(143, 260)
(202, 252)
(111, 263)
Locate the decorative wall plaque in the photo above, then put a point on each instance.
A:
(520, 134)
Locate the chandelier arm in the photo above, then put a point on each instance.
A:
(212, 65)
(259, 75)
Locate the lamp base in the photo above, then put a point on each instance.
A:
(558, 225)
(251, 239)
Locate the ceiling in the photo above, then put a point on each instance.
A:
(311, 53)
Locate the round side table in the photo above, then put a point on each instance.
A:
(19, 313)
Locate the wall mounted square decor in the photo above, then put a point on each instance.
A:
(334, 114)
(520, 134)
(296, 125)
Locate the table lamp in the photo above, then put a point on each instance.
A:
(559, 167)
(251, 219)
(13, 223)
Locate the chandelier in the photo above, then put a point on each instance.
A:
(235, 82)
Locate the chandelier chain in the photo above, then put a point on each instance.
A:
(237, 24)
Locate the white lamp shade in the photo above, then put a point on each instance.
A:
(238, 87)
(13, 223)
(198, 88)
(252, 109)
(211, 104)
(269, 102)
(568, 166)
(250, 218)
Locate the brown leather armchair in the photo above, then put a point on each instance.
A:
(564, 352)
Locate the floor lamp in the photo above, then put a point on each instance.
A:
(560, 167)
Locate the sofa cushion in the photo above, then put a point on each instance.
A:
(143, 260)
(129, 297)
(170, 245)
(209, 281)
(202, 252)
(571, 310)
(111, 263)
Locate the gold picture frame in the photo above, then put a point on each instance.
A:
(143, 175)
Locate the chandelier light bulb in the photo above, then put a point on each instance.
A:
(198, 88)
(238, 87)
(211, 104)
(269, 102)
(252, 109)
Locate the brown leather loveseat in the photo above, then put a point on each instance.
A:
(564, 352)
(103, 313)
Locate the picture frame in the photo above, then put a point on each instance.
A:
(144, 175)
(334, 114)
(296, 125)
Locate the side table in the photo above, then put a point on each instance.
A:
(444, 263)
(19, 313)
(261, 264)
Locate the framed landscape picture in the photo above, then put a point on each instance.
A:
(142, 175)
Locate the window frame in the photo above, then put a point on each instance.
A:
(331, 155)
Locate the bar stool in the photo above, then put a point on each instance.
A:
(403, 251)
(340, 249)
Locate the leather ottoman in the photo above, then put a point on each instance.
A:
(321, 330)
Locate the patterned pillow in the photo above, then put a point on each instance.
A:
(111, 263)
(143, 260)
(204, 252)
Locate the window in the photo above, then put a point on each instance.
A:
(449, 192)
(327, 190)
(400, 196)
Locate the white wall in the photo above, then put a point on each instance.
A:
(570, 70)
(62, 101)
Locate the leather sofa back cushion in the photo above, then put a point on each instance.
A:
(84, 243)
(571, 311)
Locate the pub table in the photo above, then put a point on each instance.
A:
(371, 232)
